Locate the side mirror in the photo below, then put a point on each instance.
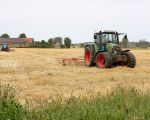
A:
(95, 36)
(125, 37)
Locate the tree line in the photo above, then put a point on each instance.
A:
(51, 43)
(66, 42)
(140, 44)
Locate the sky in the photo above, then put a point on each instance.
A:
(77, 19)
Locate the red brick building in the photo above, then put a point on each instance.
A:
(17, 42)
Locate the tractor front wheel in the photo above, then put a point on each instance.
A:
(103, 60)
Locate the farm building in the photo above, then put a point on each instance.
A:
(58, 45)
(16, 42)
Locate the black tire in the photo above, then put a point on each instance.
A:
(103, 60)
(131, 60)
(88, 56)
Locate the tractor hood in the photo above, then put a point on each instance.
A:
(113, 47)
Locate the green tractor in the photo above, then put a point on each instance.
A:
(106, 51)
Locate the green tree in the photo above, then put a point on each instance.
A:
(22, 35)
(5, 35)
(67, 42)
(36, 44)
(50, 42)
(58, 39)
(125, 41)
(43, 44)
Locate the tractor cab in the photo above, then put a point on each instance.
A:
(106, 40)
(107, 37)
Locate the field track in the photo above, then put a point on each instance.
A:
(36, 74)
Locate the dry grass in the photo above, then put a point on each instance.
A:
(36, 74)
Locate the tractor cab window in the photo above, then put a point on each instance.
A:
(113, 38)
(97, 40)
(109, 38)
(105, 38)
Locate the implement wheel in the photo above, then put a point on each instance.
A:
(88, 57)
(103, 60)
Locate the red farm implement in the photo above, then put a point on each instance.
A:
(71, 61)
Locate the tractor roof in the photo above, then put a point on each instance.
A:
(110, 31)
(106, 31)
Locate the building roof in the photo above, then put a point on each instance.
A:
(29, 40)
(16, 40)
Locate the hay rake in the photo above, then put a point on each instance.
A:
(71, 61)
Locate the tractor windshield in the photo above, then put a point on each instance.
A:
(109, 38)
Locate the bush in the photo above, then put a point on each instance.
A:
(120, 104)
(10, 109)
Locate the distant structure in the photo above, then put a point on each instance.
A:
(75, 45)
(78, 45)
(17, 42)
(57, 45)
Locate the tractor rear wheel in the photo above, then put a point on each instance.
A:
(131, 60)
(103, 60)
(88, 57)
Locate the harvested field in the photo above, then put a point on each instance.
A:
(36, 74)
